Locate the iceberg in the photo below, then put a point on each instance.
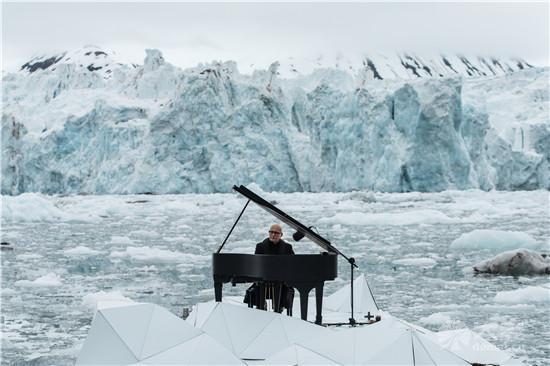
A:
(515, 263)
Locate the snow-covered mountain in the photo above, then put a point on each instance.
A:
(410, 66)
(81, 122)
(90, 58)
(379, 67)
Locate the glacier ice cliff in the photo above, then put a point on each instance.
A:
(155, 128)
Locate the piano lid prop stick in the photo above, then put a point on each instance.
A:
(235, 224)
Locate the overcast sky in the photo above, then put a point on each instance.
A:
(259, 33)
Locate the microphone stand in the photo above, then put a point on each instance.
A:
(351, 261)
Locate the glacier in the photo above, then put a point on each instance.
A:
(83, 123)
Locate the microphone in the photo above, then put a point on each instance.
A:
(298, 235)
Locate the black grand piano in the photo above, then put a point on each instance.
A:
(300, 271)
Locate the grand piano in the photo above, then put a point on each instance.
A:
(300, 271)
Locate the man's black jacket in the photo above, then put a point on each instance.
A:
(267, 247)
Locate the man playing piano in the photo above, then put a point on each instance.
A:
(281, 295)
(301, 272)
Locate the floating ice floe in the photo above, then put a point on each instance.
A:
(436, 319)
(362, 196)
(516, 263)
(420, 262)
(115, 239)
(149, 254)
(34, 207)
(81, 251)
(494, 240)
(103, 299)
(48, 280)
(416, 217)
(29, 256)
(144, 234)
(524, 295)
(7, 291)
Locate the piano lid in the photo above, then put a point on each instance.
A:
(290, 221)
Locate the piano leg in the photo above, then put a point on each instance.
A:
(277, 293)
(303, 289)
(319, 303)
(289, 300)
(303, 303)
(262, 295)
(218, 291)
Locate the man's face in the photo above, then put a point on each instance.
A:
(275, 233)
